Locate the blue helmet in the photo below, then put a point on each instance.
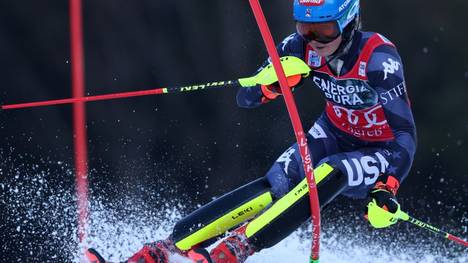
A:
(316, 11)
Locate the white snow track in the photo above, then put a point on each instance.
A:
(41, 217)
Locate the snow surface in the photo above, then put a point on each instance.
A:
(41, 215)
(293, 249)
(118, 239)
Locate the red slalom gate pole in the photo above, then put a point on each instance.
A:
(297, 125)
(79, 116)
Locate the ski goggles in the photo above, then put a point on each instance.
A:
(324, 32)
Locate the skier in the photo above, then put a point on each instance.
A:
(362, 145)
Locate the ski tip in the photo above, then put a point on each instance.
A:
(93, 256)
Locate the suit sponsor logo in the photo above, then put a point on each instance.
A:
(367, 123)
(284, 43)
(365, 169)
(314, 60)
(286, 158)
(394, 93)
(370, 116)
(390, 67)
(349, 93)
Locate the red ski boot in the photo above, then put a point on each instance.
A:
(160, 251)
(234, 249)
(157, 252)
(94, 257)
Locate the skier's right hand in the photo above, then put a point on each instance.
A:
(270, 92)
(383, 208)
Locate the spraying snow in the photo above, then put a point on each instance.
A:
(40, 223)
(118, 240)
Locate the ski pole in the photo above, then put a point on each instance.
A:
(266, 76)
(210, 85)
(381, 218)
(297, 126)
(405, 217)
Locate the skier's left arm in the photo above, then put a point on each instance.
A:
(386, 75)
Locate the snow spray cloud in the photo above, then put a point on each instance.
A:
(38, 210)
(39, 225)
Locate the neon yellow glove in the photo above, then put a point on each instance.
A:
(267, 76)
(384, 210)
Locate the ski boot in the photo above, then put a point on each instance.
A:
(157, 252)
(94, 257)
(233, 249)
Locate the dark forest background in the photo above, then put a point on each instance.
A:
(202, 144)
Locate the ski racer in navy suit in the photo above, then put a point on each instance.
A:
(362, 145)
